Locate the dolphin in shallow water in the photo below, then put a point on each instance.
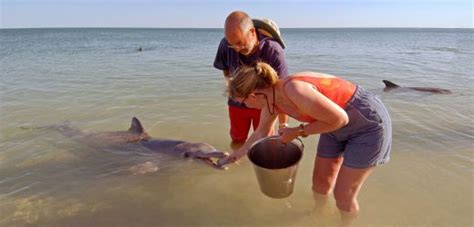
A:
(390, 86)
(136, 135)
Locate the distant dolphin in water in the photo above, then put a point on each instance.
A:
(137, 135)
(390, 86)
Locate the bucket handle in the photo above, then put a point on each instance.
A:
(276, 136)
(298, 138)
(302, 144)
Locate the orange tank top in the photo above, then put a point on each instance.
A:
(336, 89)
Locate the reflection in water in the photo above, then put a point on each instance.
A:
(324, 211)
(41, 210)
(147, 167)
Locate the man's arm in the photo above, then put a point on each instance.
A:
(220, 61)
(282, 121)
(226, 76)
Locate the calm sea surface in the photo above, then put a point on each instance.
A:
(96, 80)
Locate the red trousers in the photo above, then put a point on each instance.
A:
(240, 121)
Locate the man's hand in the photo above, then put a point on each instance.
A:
(282, 125)
(226, 76)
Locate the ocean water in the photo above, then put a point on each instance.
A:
(95, 79)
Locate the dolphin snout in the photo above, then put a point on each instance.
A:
(218, 154)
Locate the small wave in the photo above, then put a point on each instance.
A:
(409, 53)
(8, 179)
(446, 49)
(17, 190)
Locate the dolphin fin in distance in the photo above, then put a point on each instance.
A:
(390, 84)
(136, 126)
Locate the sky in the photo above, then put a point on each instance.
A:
(212, 13)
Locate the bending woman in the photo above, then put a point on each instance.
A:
(355, 126)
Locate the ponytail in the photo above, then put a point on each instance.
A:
(266, 74)
(249, 78)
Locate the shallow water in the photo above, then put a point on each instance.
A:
(96, 80)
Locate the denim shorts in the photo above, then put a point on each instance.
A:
(366, 140)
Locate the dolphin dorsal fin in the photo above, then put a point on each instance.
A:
(136, 126)
(389, 84)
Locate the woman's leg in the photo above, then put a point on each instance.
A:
(324, 177)
(325, 173)
(348, 184)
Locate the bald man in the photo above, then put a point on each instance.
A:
(244, 45)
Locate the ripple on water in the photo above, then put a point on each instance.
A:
(95, 79)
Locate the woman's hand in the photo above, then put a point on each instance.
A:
(225, 161)
(288, 134)
(236, 155)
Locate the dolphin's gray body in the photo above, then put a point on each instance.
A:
(137, 135)
(390, 86)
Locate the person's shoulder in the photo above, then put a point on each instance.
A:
(224, 43)
(273, 52)
(223, 48)
(271, 48)
(296, 87)
(290, 87)
(271, 44)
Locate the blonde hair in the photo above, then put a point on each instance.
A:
(249, 78)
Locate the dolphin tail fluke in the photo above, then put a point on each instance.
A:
(390, 84)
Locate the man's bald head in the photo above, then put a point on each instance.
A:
(237, 22)
(240, 33)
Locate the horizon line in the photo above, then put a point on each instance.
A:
(223, 28)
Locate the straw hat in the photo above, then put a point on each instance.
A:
(269, 28)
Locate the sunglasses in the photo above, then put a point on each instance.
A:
(241, 45)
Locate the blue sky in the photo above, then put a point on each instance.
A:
(212, 13)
